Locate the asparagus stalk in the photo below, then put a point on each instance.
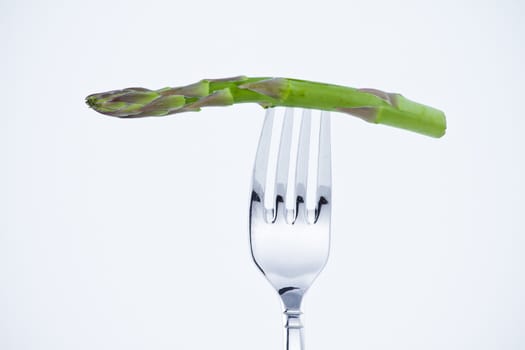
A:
(371, 105)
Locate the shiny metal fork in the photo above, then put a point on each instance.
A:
(290, 208)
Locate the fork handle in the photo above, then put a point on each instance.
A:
(294, 330)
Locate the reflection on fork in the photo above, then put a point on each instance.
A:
(290, 207)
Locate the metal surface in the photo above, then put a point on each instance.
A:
(290, 208)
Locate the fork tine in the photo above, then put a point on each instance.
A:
(260, 170)
(303, 154)
(283, 162)
(324, 170)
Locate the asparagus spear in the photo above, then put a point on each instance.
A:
(371, 105)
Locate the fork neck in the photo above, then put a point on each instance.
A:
(291, 300)
(291, 297)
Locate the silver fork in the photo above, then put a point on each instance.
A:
(290, 209)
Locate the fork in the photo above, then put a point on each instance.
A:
(290, 208)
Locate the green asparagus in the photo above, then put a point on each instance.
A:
(371, 105)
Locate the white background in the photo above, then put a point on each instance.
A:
(132, 234)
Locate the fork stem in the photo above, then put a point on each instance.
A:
(294, 330)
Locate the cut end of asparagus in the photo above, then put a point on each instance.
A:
(402, 113)
(413, 116)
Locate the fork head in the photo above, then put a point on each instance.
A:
(291, 201)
